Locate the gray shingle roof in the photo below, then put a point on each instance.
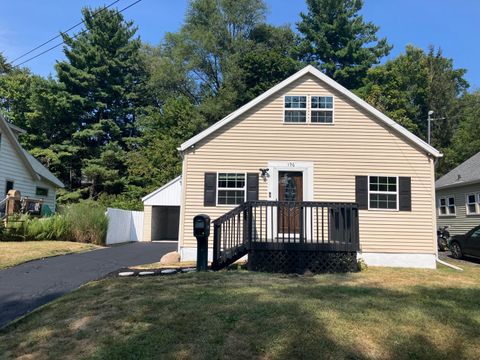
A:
(466, 172)
(42, 170)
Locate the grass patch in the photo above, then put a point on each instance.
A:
(377, 314)
(14, 252)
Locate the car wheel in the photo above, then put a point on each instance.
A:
(456, 250)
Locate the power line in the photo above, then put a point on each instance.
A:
(73, 37)
(63, 32)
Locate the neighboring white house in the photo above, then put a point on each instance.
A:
(21, 171)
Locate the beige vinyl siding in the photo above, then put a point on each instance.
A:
(356, 144)
(147, 223)
(13, 168)
(461, 222)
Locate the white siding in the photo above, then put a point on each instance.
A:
(168, 195)
(13, 168)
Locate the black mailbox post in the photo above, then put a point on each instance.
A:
(201, 230)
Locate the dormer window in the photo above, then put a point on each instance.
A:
(295, 109)
(322, 109)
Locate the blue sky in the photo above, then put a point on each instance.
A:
(454, 26)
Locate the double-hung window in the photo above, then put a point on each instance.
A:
(383, 192)
(447, 205)
(295, 109)
(472, 204)
(231, 188)
(322, 109)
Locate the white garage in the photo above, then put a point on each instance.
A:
(162, 212)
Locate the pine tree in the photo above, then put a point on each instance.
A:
(339, 42)
(103, 74)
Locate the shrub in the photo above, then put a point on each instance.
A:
(83, 222)
(51, 228)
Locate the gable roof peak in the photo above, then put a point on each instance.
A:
(310, 69)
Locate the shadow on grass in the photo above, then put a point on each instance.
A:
(242, 315)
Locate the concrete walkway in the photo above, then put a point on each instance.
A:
(27, 286)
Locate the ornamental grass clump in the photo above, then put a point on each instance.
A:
(82, 222)
(87, 223)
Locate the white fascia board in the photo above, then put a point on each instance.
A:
(171, 182)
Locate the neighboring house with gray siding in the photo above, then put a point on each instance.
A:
(21, 171)
(458, 197)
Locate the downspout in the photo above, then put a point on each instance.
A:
(447, 264)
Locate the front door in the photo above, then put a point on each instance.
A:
(290, 188)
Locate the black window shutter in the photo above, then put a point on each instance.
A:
(210, 190)
(405, 193)
(361, 192)
(252, 186)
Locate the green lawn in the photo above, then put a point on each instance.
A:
(378, 313)
(16, 252)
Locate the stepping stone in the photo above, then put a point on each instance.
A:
(187, 270)
(146, 273)
(168, 271)
(126, 273)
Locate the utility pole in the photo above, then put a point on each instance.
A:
(429, 123)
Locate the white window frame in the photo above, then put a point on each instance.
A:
(446, 197)
(295, 109)
(383, 192)
(308, 110)
(476, 203)
(244, 187)
(321, 109)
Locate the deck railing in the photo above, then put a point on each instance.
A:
(285, 225)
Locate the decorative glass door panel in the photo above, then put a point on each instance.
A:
(290, 189)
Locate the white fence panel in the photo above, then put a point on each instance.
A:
(124, 226)
(136, 228)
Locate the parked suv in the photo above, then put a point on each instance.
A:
(466, 245)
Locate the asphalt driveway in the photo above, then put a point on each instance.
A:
(27, 286)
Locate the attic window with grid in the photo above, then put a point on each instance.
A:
(295, 109)
(308, 109)
(322, 109)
